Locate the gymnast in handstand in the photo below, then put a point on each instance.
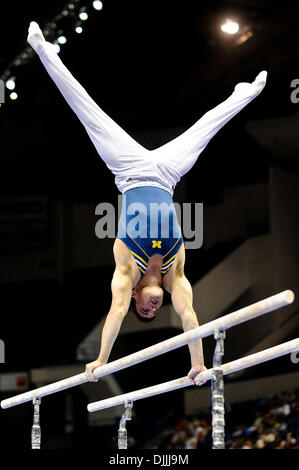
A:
(152, 257)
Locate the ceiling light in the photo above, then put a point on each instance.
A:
(230, 27)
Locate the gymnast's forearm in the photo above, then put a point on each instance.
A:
(182, 300)
(109, 334)
(189, 321)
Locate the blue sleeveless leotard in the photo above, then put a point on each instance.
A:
(148, 225)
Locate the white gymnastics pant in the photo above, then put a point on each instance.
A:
(132, 164)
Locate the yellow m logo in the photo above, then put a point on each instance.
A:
(156, 244)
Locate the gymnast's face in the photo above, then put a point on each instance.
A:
(148, 300)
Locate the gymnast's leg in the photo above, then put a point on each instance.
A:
(120, 152)
(178, 156)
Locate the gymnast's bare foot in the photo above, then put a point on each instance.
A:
(35, 37)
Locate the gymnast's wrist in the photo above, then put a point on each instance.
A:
(199, 364)
(102, 361)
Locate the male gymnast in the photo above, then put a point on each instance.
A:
(152, 257)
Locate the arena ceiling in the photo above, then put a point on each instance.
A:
(158, 65)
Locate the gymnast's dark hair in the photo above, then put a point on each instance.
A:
(140, 318)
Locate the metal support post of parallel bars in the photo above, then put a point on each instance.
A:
(122, 430)
(217, 389)
(36, 429)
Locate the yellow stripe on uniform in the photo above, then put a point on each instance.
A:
(133, 253)
(174, 244)
(163, 272)
(169, 260)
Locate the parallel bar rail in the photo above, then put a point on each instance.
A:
(229, 368)
(244, 314)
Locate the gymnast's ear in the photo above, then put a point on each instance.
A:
(134, 294)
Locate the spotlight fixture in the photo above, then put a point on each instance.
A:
(11, 83)
(79, 29)
(97, 5)
(13, 96)
(230, 27)
(62, 39)
(83, 15)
